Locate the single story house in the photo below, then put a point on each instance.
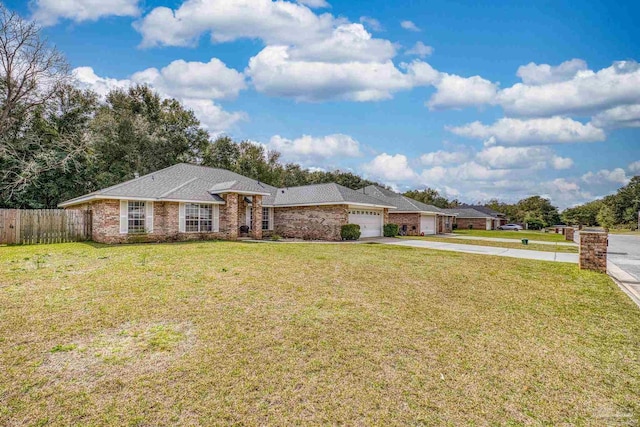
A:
(185, 201)
(414, 218)
(477, 218)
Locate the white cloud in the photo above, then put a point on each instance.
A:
(624, 116)
(347, 43)
(391, 168)
(634, 167)
(275, 73)
(408, 25)
(443, 158)
(587, 92)
(312, 150)
(314, 3)
(371, 23)
(49, 12)
(560, 163)
(211, 115)
(420, 49)
(534, 74)
(454, 91)
(280, 22)
(552, 130)
(616, 175)
(88, 79)
(194, 79)
(515, 157)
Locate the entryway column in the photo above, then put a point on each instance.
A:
(257, 217)
(232, 215)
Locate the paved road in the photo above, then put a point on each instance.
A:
(487, 250)
(624, 251)
(624, 263)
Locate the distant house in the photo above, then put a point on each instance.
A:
(414, 218)
(477, 217)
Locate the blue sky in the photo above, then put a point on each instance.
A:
(476, 99)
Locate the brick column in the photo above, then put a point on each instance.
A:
(568, 235)
(593, 251)
(257, 217)
(232, 215)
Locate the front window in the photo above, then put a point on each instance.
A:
(136, 217)
(265, 218)
(198, 218)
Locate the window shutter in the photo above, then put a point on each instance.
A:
(148, 220)
(124, 217)
(216, 218)
(270, 218)
(181, 218)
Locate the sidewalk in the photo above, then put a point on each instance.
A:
(629, 284)
(503, 240)
(488, 250)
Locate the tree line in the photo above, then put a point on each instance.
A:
(619, 210)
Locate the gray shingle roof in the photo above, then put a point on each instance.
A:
(468, 213)
(321, 193)
(402, 203)
(483, 209)
(183, 182)
(187, 182)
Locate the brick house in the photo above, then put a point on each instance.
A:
(186, 202)
(414, 218)
(478, 219)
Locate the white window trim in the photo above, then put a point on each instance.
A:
(270, 226)
(182, 218)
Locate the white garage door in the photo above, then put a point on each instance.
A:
(370, 221)
(428, 224)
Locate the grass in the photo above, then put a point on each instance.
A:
(215, 333)
(528, 234)
(514, 245)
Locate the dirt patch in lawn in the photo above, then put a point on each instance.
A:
(132, 349)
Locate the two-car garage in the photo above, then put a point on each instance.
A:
(369, 220)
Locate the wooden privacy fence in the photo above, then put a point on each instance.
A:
(33, 226)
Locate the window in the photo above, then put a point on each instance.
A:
(136, 217)
(198, 218)
(265, 218)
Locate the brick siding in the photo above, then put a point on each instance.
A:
(411, 220)
(593, 251)
(310, 222)
(478, 223)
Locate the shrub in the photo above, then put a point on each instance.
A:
(275, 237)
(535, 224)
(391, 230)
(470, 226)
(350, 232)
(454, 227)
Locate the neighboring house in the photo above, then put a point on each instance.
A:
(498, 217)
(184, 202)
(476, 219)
(414, 218)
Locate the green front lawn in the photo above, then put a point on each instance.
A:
(515, 245)
(215, 333)
(524, 234)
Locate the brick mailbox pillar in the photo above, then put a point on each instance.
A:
(568, 235)
(593, 251)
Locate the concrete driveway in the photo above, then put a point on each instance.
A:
(487, 250)
(624, 263)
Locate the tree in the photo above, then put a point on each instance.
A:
(606, 217)
(222, 153)
(583, 215)
(429, 196)
(66, 117)
(32, 74)
(135, 131)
